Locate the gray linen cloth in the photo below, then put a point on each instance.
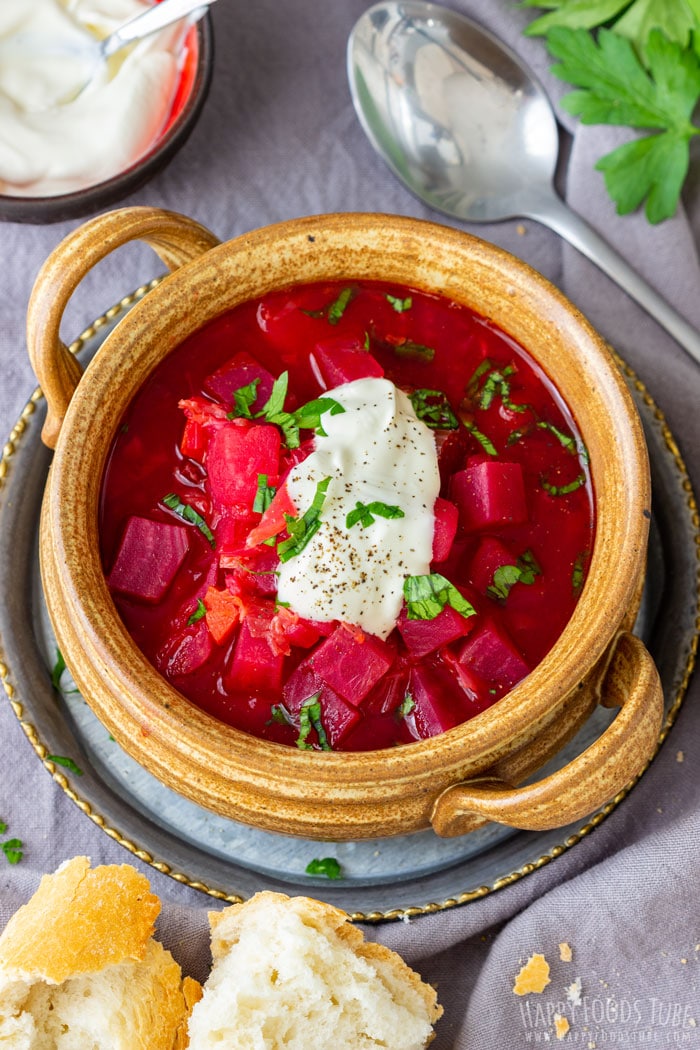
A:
(279, 138)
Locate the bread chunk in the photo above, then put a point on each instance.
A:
(79, 969)
(294, 973)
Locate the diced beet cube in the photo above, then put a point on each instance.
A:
(424, 636)
(491, 655)
(195, 440)
(451, 447)
(446, 521)
(240, 371)
(338, 717)
(438, 704)
(489, 493)
(231, 532)
(149, 557)
(490, 555)
(190, 648)
(340, 359)
(236, 455)
(352, 667)
(254, 667)
(388, 695)
(253, 572)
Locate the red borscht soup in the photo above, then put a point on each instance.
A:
(346, 516)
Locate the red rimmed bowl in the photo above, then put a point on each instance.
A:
(197, 63)
(458, 779)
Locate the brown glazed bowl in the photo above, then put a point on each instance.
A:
(454, 781)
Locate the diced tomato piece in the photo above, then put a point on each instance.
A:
(492, 656)
(240, 371)
(338, 716)
(235, 458)
(223, 613)
(490, 555)
(149, 557)
(273, 519)
(489, 493)
(446, 521)
(195, 440)
(352, 667)
(340, 359)
(203, 411)
(186, 652)
(438, 705)
(424, 636)
(254, 667)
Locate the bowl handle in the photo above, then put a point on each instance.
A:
(588, 781)
(175, 239)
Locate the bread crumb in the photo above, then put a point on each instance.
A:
(573, 992)
(679, 756)
(561, 1026)
(521, 229)
(533, 976)
(684, 961)
(565, 953)
(591, 1045)
(692, 1023)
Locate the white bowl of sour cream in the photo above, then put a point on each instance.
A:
(63, 156)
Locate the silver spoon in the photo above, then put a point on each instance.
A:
(88, 57)
(468, 128)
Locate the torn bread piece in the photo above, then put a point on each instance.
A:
(294, 973)
(79, 967)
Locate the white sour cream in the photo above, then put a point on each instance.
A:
(377, 450)
(50, 146)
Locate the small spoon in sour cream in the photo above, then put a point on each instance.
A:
(88, 56)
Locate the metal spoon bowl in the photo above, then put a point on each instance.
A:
(468, 128)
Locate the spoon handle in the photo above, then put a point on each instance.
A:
(551, 211)
(154, 18)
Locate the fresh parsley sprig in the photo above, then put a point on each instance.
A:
(364, 513)
(12, 848)
(183, 510)
(426, 597)
(634, 65)
(302, 529)
(308, 417)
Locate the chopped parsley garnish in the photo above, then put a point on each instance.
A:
(199, 613)
(310, 718)
(364, 513)
(302, 529)
(12, 849)
(335, 310)
(578, 573)
(406, 706)
(567, 441)
(524, 571)
(58, 668)
(327, 866)
(407, 348)
(496, 383)
(264, 495)
(308, 417)
(483, 439)
(68, 763)
(400, 305)
(563, 490)
(190, 515)
(427, 596)
(280, 715)
(434, 409)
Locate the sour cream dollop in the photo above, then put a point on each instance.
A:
(376, 450)
(52, 142)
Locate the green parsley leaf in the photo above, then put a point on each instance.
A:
(563, 490)
(483, 439)
(58, 668)
(400, 305)
(427, 596)
(407, 348)
(13, 850)
(327, 866)
(243, 398)
(578, 573)
(280, 715)
(524, 571)
(575, 14)
(364, 513)
(406, 706)
(3, 827)
(434, 409)
(199, 613)
(310, 718)
(189, 514)
(308, 417)
(61, 760)
(264, 495)
(278, 395)
(302, 529)
(657, 93)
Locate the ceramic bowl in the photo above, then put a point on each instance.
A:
(195, 79)
(454, 781)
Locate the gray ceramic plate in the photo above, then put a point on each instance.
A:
(382, 879)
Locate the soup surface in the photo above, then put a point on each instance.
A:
(346, 516)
